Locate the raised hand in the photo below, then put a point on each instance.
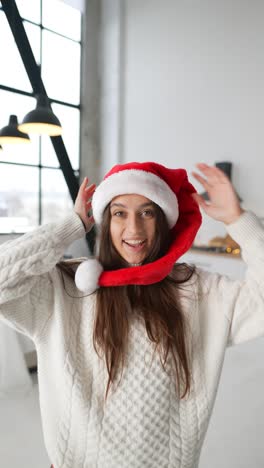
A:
(223, 204)
(83, 204)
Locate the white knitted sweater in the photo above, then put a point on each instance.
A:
(142, 424)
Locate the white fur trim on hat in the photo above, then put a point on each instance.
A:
(87, 275)
(139, 182)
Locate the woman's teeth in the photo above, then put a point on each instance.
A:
(134, 242)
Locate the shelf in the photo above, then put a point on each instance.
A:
(215, 254)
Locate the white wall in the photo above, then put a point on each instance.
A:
(190, 83)
(193, 82)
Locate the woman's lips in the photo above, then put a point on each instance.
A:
(135, 247)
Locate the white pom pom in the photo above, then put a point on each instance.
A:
(87, 275)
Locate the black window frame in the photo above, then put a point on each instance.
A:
(53, 99)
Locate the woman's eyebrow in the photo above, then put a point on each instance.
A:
(147, 204)
(144, 205)
(117, 204)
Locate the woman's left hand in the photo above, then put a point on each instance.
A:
(223, 204)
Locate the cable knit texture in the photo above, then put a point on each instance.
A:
(142, 423)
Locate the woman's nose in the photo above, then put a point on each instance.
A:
(133, 223)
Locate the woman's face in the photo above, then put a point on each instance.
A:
(132, 226)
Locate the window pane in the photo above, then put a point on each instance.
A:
(33, 34)
(13, 103)
(12, 71)
(70, 121)
(62, 18)
(18, 198)
(61, 68)
(29, 9)
(55, 197)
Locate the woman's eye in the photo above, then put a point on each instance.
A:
(148, 213)
(118, 213)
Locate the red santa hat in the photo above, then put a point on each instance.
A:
(172, 192)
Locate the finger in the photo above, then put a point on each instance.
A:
(91, 187)
(88, 192)
(213, 173)
(222, 176)
(201, 202)
(202, 165)
(84, 182)
(206, 170)
(82, 187)
(201, 180)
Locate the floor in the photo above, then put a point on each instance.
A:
(21, 439)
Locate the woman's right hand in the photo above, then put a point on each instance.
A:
(223, 204)
(83, 204)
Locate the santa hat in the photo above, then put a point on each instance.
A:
(172, 192)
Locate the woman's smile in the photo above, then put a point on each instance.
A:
(135, 244)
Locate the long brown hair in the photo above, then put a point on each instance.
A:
(158, 305)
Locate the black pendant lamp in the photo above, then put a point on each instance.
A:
(41, 120)
(226, 167)
(11, 135)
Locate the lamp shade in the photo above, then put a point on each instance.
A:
(11, 135)
(226, 167)
(41, 120)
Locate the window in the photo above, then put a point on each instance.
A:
(32, 187)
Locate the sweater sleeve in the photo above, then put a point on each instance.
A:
(247, 316)
(27, 269)
(233, 310)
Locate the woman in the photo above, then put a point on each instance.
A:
(130, 350)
